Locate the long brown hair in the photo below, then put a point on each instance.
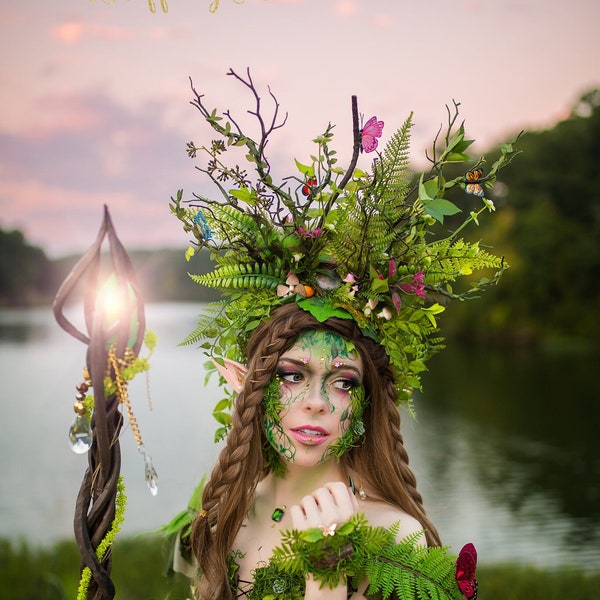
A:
(381, 458)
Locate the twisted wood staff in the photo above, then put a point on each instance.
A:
(96, 502)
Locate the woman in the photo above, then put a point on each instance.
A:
(333, 282)
(317, 367)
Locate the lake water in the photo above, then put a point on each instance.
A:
(504, 446)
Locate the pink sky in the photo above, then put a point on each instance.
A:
(95, 96)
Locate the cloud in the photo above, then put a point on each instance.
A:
(70, 32)
(54, 182)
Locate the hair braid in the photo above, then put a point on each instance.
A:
(240, 465)
(407, 474)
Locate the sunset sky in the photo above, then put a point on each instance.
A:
(95, 95)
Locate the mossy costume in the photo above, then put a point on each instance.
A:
(369, 246)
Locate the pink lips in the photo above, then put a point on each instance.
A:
(311, 435)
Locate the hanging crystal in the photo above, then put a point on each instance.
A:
(149, 472)
(80, 434)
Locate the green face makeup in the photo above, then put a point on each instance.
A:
(335, 361)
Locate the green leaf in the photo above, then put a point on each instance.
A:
(456, 157)
(307, 170)
(322, 309)
(428, 190)
(312, 535)
(439, 208)
(244, 194)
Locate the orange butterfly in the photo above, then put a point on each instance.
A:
(473, 186)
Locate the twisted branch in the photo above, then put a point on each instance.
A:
(96, 500)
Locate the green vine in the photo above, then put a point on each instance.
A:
(106, 542)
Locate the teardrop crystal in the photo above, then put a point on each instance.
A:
(80, 434)
(151, 476)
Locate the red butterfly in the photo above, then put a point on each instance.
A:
(473, 186)
(465, 571)
(369, 134)
(309, 187)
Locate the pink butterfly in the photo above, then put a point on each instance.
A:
(369, 134)
(465, 571)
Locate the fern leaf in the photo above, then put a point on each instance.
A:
(392, 173)
(242, 276)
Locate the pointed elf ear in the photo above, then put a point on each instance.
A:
(233, 372)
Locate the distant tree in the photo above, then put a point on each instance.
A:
(24, 271)
(549, 230)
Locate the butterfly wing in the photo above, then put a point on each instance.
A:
(472, 186)
(474, 175)
(476, 189)
(369, 134)
(466, 564)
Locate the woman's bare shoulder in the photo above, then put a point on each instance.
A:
(381, 514)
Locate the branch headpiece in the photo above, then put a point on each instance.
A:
(366, 245)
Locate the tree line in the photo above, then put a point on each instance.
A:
(547, 227)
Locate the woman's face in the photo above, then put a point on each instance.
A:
(316, 377)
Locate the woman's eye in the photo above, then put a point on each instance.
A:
(346, 385)
(291, 376)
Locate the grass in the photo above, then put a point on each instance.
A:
(29, 573)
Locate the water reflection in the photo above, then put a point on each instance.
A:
(528, 423)
(504, 446)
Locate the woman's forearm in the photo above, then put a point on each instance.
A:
(314, 591)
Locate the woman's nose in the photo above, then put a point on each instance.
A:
(316, 399)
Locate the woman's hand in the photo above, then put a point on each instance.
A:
(326, 508)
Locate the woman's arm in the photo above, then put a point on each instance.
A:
(326, 508)
(314, 591)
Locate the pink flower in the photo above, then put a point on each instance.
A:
(310, 234)
(415, 285)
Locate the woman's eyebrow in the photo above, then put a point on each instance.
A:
(345, 367)
(294, 361)
(342, 366)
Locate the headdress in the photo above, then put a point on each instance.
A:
(366, 242)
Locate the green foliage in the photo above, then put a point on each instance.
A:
(357, 551)
(350, 243)
(548, 229)
(23, 271)
(242, 276)
(107, 541)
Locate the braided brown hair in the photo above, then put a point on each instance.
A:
(381, 459)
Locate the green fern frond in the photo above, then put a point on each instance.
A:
(402, 569)
(362, 233)
(226, 220)
(392, 174)
(242, 276)
(206, 326)
(453, 259)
